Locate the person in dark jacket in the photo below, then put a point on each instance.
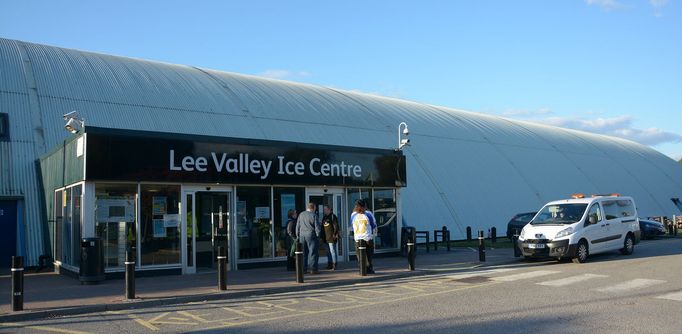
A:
(330, 225)
(291, 232)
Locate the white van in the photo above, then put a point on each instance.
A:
(574, 228)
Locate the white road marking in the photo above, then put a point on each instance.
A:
(672, 296)
(571, 280)
(631, 285)
(522, 276)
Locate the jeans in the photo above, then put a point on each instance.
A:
(369, 253)
(331, 253)
(310, 251)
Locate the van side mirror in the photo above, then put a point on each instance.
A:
(592, 219)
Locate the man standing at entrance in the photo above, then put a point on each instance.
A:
(308, 231)
(330, 224)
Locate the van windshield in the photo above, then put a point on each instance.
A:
(559, 214)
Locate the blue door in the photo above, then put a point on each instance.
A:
(8, 237)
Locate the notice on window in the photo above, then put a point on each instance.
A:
(171, 220)
(262, 212)
(158, 205)
(159, 228)
(242, 220)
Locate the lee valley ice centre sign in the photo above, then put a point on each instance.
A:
(242, 164)
(121, 155)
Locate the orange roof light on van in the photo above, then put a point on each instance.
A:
(578, 196)
(603, 195)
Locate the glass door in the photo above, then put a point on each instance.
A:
(207, 228)
(333, 200)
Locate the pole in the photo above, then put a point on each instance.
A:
(222, 269)
(481, 247)
(130, 273)
(515, 240)
(468, 233)
(493, 234)
(362, 257)
(17, 283)
(446, 236)
(299, 262)
(411, 254)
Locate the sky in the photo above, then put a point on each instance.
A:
(605, 66)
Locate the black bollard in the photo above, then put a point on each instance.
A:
(468, 233)
(222, 269)
(515, 241)
(481, 247)
(130, 274)
(493, 234)
(299, 262)
(362, 257)
(17, 283)
(411, 254)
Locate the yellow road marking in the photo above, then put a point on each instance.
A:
(44, 328)
(349, 307)
(146, 324)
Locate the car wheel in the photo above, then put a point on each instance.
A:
(581, 252)
(628, 245)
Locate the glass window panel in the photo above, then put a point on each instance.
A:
(254, 222)
(115, 208)
(76, 224)
(59, 224)
(386, 218)
(285, 199)
(67, 253)
(159, 232)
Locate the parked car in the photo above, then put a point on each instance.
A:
(578, 227)
(651, 228)
(518, 222)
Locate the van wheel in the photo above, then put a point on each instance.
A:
(628, 245)
(581, 252)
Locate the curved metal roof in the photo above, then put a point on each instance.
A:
(464, 168)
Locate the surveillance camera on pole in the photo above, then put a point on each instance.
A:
(74, 123)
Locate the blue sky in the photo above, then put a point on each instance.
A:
(604, 66)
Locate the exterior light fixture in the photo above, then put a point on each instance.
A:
(402, 142)
(74, 124)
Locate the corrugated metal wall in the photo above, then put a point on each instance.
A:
(464, 168)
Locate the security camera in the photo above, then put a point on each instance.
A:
(72, 114)
(404, 142)
(208, 188)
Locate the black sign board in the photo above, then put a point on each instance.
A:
(121, 155)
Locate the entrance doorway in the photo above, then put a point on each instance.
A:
(333, 198)
(208, 218)
(8, 239)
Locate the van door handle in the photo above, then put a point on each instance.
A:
(608, 224)
(602, 225)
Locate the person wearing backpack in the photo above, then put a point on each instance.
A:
(363, 229)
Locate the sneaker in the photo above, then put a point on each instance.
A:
(329, 266)
(334, 266)
(370, 271)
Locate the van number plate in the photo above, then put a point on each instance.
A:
(536, 245)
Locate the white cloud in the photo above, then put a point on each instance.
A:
(658, 6)
(620, 126)
(283, 74)
(607, 4)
